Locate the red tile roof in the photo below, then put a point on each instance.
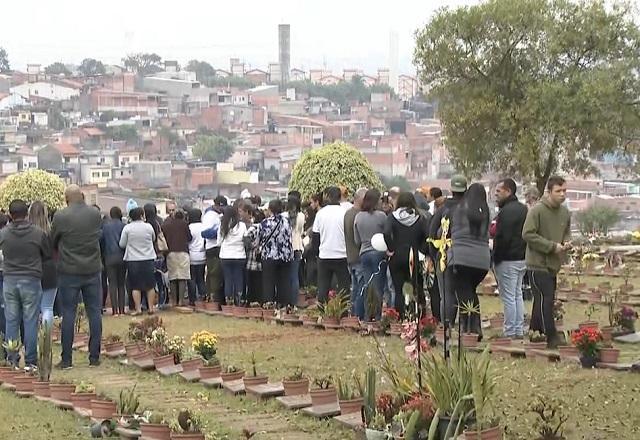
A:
(67, 149)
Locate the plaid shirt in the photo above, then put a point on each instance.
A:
(252, 251)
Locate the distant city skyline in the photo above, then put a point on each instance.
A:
(338, 34)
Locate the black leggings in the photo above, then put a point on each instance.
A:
(276, 281)
(461, 283)
(543, 287)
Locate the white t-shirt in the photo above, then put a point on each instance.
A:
(346, 205)
(329, 223)
(231, 245)
(196, 245)
(210, 219)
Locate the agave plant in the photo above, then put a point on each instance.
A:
(45, 352)
(129, 401)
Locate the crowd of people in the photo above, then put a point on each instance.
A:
(242, 253)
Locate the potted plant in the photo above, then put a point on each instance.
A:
(609, 354)
(23, 382)
(627, 273)
(227, 310)
(350, 399)
(155, 427)
(12, 349)
(255, 310)
(496, 321)
(102, 408)
(128, 402)
(113, 343)
(231, 372)
(83, 395)
(61, 391)
(588, 341)
(45, 360)
(591, 309)
(625, 319)
(296, 383)
(568, 352)
(537, 341)
(310, 317)
(189, 425)
(332, 311)
(469, 309)
(191, 361)
(205, 344)
(390, 322)
(254, 379)
(324, 393)
(414, 417)
(483, 384)
(239, 311)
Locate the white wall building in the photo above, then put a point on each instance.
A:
(43, 89)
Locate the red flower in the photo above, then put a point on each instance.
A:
(391, 313)
(332, 294)
(421, 403)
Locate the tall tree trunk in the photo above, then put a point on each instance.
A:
(550, 166)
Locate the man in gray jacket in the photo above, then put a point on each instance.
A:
(24, 246)
(76, 235)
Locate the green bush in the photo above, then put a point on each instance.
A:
(33, 185)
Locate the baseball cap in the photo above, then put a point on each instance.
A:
(458, 183)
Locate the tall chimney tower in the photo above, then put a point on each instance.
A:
(284, 46)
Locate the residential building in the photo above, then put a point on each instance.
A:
(128, 158)
(153, 174)
(132, 103)
(298, 75)
(58, 156)
(46, 89)
(349, 74)
(330, 80)
(100, 157)
(9, 165)
(407, 87)
(275, 72)
(383, 76)
(264, 96)
(257, 76)
(237, 68)
(28, 159)
(93, 174)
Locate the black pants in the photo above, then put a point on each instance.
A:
(105, 290)
(399, 268)
(116, 279)
(276, 281)
(543, 287)
(197, 287)
(254, 286)
(434, 298)
(214, 275)
(327, 268)
(461, 284)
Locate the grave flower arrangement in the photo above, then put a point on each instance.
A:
(205, 344)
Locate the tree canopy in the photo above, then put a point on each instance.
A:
(342, 92)
(213, 148)
(533, 87)
(597, 219)
(4, 60)
(57, 68)
(143, 63)
(91, 67)
(33, 185)
(202, 69)
(335, 164)
(127, 133)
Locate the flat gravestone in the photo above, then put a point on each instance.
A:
(265, 391)
(352, 420)
(9, 386)
(322, 411)
(145, 363)
(616, 367)
(43, 398)
(115, 354)
(62, 404)
(234, 387)
(191, 376)
(24, 393)
(550, 355)
(82, 412)
(182, 309)
(213, 312)
(631, 338)
(214, 382)
(170, 370)
(295, 402)
(127, 433)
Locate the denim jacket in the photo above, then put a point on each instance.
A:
(109, 241)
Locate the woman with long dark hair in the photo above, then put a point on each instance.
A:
(38, 216)
(274, 237)
(233, 257)
(468, 259)
(405, 230)
(296, 221)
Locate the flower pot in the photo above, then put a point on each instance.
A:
(350, 323)
(607, 333)
(593, 297)
(494, 433)
(82, 400)
(251, 381)
(213, 306)
(254, 312)
(240, 312)
(291, 318)
(626, 288)
(5, 372)
(609, 355)
(227, 310)
(330, 322)
(41, 389)
(568, 352)
(351, 406)
(588, 361)
(530, 346)
(102, 409)
(496, 322)
(443, 424)
(500, 342)
(302, 299)
(372, 326)
(188, 436)
(61, 391)
(373, 434)
(210, 372)
(470, 339)
(155, 431)
(80, 337)
(395, 328)
(199, 305)
(295, 387)
(113, 347)
(309, 321)
(192, 364)
(163, 361)
(440, 334)
(132, 349)
(23, 383)
(588, 324)
(227, 377)
(323, 396)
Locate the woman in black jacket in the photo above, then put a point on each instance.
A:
(404, 230)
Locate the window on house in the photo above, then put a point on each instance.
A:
(106, 174)
(317, 141)
(95, 174)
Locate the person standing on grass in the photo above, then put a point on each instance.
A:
(211, 223)
(25, 247)
(296, 219)
(76, 235)
(547, 232)
(137, 240)
(233, 257)
(4, 221)
(38, 216)
(328, 238)
(114, 259)
(197, 257)
(353, 251)
(176, 232)
(274, 238)
(508, 256)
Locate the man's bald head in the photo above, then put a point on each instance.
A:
(73, 194)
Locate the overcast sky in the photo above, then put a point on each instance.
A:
(340, 33)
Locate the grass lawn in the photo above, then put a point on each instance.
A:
(600, 404)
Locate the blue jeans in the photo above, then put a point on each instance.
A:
(374, 272)
(233, 273)
(46, 305)
(509, 275)
(357, 304)
(70, 288)
(22, 296)
(295, 277)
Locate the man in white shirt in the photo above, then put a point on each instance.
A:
(328, 237)
(210, 224)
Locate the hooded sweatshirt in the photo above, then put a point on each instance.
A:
(24, 246)
(404, 230)
(546, 225)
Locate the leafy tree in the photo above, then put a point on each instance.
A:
(531, 87)
(169, 135)
(203, 70)
(597, 219)
(33, 185)
(213, 148)
(333, 164)
(127, 133)
(143, 63)
(4, 60)
(231, 81)
(399, 181)
(343, 92)
(91, 67)
(57, 69)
